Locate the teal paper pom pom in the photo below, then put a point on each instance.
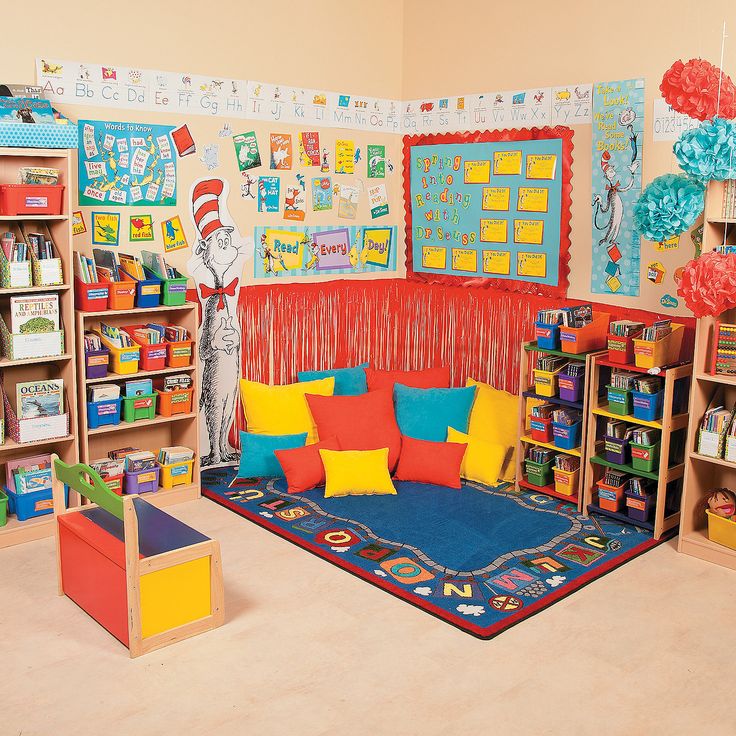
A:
(668, 206)
(708, 152)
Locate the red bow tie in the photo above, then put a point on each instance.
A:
(613, 187)
(207, 292)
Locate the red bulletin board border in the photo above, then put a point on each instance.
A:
(492, 136)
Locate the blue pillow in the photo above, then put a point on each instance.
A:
(426, 413)
(257, 459)
(348, 381)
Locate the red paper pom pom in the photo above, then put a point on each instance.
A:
(692, 89)
(708, 284)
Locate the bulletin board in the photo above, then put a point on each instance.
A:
(490, 208)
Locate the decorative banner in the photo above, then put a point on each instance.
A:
(490, 208)
(618, 127)
(280, 151)
(78, 224)
(269, 188)
(376, 162)
(126, 164)
(141, 228)
(321, 194)
(173, 234)
(105, 228)
(323, 250)
(246, 151)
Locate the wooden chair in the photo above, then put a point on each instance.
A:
(148, 578)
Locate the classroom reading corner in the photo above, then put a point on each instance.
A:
(368, 368)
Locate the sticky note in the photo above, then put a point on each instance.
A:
(541, 165)
(496, 198)
(477, 172)
(497, 261)
(529, 231)
(507, 163)
(464, 259)
(433, 256)
(494, 231)
(532, 199)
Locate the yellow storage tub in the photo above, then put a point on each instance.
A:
(566, 481)
(653, 354)
(721, 530)
(546, 382)
(176, 474)
(123, 361)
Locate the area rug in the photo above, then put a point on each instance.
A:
(482, 559)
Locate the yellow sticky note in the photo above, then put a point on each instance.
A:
(286, 249)
(477, 172)
(507, 163)
(529, 231)
(531, 264)
(532, 199)
(433, 256)
(496, 198)
(464, 259)
(541, 165)
(493, 231)
(497, 261)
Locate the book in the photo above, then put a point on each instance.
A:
(170, 455)
(40, 398)
(30, 315)
(139, 387)
(106, 264)
(177, 383)
(107, 467)
(33, 477)
(104, 392)
(115, 336)
(183, 141)
(84, 268)
(24, 110)
(140, 460)
(132, 266)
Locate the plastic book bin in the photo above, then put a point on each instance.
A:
(173, 291)
(566, 481)
(121, 294)
(539, 474)
(645, 457)
(621, 349)
(139, 407)
(179, 353)
(28, 505)
(103, 413)
(96, 362)
(545, 382)
(141, 481)
(619, 400)
(148, 291)
(123, 361)
(651, 354)
(91, 297)
(570, 387)
(3, 508)
(639, 507)
(115, 483)
(31, 199)
(617, 450)
(153, 357)
(175, 402)
(721, 530)
(541, 429)
(566, 436)
(176, 474)
(611, 498)
(648, 407)
(579, 340)
(548, 336)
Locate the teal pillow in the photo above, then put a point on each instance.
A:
(426, 413)
(257, 459)
(348, 381)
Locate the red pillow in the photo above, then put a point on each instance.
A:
(303, 466)
(427, 378)
(364, 422)
(430, 462)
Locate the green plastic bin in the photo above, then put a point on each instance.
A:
(645, 457)
(3, 508)
(139, 407)
(539, 474)
(619, 400)
(173, 291)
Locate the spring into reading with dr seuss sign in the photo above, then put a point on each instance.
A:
(488, 209)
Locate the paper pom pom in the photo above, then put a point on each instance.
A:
(692, 89)
(668, 206)
(708, 284)
(708, 152)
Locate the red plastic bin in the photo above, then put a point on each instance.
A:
(90, 297)
(31, 199)
(153, 357)
(541, 428)
(621, 349)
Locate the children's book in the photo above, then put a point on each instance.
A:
(140, 387)
(106, 264)
(34, 314)
(26, 110)
(40, 398)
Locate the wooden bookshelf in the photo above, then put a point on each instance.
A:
(528, 397)
(60, 366)
(701, 472)
(147, 434)
(668, 476)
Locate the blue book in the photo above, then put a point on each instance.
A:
(25, 110)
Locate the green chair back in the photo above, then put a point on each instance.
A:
(75, 476)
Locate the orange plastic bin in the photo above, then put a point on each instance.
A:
(579, 340)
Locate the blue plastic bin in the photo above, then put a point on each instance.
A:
(566, 436)
(648, 407)
(30, 505)
(102, 413)
(147, 291)
(548, 336)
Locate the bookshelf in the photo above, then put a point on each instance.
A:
(703, 473)
(529, 397)
(147, 434)
(60, 366)
(672, 427)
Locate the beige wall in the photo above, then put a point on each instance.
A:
(509, 46)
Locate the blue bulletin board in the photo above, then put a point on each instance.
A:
(490, 209)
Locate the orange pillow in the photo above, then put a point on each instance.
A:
(303, 466)
(364, 422)
(427, 378)
(429, 462)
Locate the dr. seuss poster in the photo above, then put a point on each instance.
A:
(321, 193)
(246, 151)
(269, 188)
(126, 164)
(281, 151)
(618, 125)
(323, 250)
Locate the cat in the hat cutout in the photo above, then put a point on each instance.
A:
(216, 267)
(614, 204)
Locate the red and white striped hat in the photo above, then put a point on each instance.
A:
(206, 207)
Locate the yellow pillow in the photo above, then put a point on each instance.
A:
(282, 409)
(495, 418)
(483, 459)
(357, 473)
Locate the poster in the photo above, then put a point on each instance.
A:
(173, 234)
(347, 204)
(126, 164)
(378, 200)
(141, 228)
(618, 135)
(321, 193)
(246, 151)
(376, 161)
(281, 151)
(105, 228)
(78, 224)
(309, 148)
(490, 205)
(294, 203)
(344, 156)
(269, 189)
(323, 251)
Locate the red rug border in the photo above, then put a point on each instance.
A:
(484, 633)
